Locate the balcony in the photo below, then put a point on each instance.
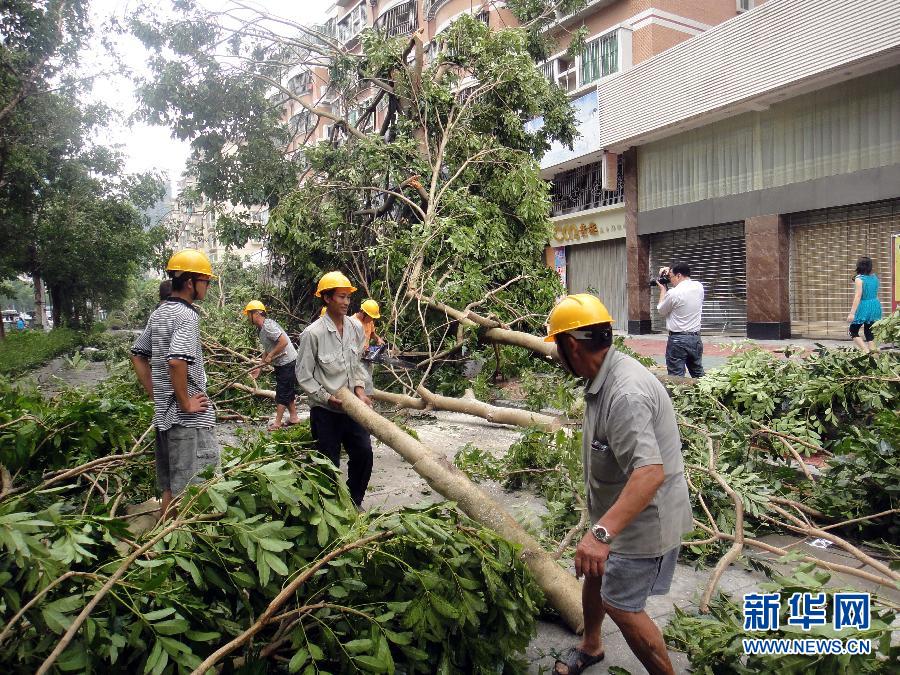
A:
(581, 189)
(349, 28)
(399, 20)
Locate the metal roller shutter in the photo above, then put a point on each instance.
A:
(599, 268)
(717, 255)
(825, 245)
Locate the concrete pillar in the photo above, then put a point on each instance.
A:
(637, 252)
(768, 278)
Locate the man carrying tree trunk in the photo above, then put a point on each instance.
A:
(168, 360)
(329, 360)
(280, 353)
(637, 495)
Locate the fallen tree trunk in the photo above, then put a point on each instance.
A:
(562, 590)
(492, 413)
(469, 406)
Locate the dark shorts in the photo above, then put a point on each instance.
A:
(181, 454)
(285, 383)
(867, 330)
(682, 350)
(628, 582)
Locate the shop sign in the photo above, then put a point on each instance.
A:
(584, 232)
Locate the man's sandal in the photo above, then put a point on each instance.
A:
(577, 661)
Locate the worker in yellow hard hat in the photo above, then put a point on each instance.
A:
(330, 351)
(637, 495)
(168, 360)
(279, 352)
(368, 312)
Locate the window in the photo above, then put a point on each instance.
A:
(582, 188)
(301, 123)
(399, 20)
(352, 24)
(744, 5)
(301, 83)
(484, 17)
(600, 58)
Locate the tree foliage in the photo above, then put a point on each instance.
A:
(69, 215)
(429, 591)
(429, 181)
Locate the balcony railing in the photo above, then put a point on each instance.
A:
(399, 20)
(581, 189)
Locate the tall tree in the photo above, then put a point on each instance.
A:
(67, 211)
(429, 185)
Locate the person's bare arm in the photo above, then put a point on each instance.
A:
(178, 370)
(144, 374)
(857, 296)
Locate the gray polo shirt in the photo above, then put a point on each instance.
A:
(629, 422)
(327, 361)
(269, 335)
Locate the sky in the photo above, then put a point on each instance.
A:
(149, 148)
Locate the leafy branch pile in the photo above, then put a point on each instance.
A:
(714, 642)
(268, 562)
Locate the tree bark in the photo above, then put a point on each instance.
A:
(472, 406)
(468, 405)
(562, 590)
(40, 316)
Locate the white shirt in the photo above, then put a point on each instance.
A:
(682, 307)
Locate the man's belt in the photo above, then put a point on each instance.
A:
(677, 332)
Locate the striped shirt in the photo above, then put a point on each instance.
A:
(173, 332)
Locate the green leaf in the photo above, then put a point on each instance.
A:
(298, 660)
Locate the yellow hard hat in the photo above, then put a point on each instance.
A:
(576, 311)
(333, 280)
(254, 306)
(190, 260)
(371, 308)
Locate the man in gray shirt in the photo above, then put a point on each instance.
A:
(280, 353)
(329, 361)
(637, 495)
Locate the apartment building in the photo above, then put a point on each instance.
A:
(192, 224)
(588, 242)
(765, 152)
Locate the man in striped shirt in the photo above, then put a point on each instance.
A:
(168, 360)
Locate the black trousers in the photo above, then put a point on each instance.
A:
(332, 430)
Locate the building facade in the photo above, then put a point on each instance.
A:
(771, 178)
(588, 187)
(192, 224)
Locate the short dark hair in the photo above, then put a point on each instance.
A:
(165, 289)
(681, 268)
(180, 281)
(327, 293)
(864, 265)
(601, 337)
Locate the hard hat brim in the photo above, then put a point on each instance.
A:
(352, 289)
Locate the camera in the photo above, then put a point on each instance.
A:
(663, 279)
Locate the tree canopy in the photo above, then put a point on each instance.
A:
(428, 184)
(70, 216)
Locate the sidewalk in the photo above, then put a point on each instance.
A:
(718, 349)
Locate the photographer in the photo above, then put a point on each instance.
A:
(681, 306)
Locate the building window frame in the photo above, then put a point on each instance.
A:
(600, 58)
(400, 19)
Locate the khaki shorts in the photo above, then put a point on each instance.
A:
(181, 454)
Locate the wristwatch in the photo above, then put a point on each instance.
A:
(601, 534)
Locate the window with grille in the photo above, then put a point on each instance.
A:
(301, 83)
(600, 58)
(301, 123)
(399, 20)
(352, 24)
(582, 188)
